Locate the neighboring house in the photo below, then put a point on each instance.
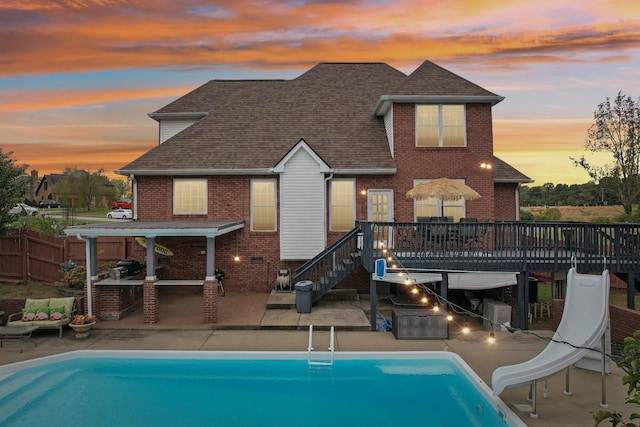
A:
(45, 189)
(297, 162)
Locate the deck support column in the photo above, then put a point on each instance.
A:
(522, 300)
(151, 301)
(631, 288)
(210, 300)
(373, 301)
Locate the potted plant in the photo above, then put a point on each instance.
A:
(82, 324)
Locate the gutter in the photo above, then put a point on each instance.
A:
(134, 195)
(88, 263)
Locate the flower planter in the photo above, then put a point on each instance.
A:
(82, 331)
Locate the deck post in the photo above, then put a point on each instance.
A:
(444, 288)
(373, 301)
(631, 288)
(522, 300)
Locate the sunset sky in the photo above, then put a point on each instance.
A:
(78, 77)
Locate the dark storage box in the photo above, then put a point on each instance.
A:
(416, 324)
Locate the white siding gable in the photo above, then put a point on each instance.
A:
(170, 127)
(388, 126)
(302, 205)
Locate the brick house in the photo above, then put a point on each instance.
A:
(270, 172)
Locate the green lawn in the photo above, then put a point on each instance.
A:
(616, 296)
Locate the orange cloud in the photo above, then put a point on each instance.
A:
(16, 101)
(91, 35)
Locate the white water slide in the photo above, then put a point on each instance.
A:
(583, 326)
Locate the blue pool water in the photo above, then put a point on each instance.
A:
(275, 389)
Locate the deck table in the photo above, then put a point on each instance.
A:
(20, 333)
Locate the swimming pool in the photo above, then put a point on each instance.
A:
(106, 388)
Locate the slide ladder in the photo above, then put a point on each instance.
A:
(583, 328)
(331, 348)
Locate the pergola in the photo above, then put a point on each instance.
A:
(150, 230)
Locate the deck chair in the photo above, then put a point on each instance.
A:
(468, 232)
(283, 280)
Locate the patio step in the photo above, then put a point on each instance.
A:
(287, 300)
(281, 300)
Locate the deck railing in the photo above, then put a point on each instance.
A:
(504, 246)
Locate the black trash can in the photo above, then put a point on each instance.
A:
(303, 296)
(533, 290)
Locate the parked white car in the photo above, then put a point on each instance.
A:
(120, 214)
(23, 209)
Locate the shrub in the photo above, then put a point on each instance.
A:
(630, 364)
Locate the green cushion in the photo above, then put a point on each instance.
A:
(36, 303)
(67, 303)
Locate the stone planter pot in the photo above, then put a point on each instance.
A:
(82, 331)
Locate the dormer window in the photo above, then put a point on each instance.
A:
(440, 125)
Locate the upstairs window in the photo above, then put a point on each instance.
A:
(189, 196)
(440, 126)
(263, 205)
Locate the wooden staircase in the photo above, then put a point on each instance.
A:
(332, 265)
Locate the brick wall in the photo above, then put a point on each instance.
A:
(505, 209)
(624, 321)
(420, 162)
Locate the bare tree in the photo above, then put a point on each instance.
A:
(616, 129)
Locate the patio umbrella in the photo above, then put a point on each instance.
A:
(444, 189)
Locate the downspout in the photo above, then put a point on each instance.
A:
(134, 194)
(88, 262)
(518, 202)
(326, 228)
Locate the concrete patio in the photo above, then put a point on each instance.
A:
(245, 323)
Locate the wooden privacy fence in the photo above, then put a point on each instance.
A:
(28, 255)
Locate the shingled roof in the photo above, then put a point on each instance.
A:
(505, 173)
(249, 125)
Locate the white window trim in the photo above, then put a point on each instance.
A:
(440, 126)
(275, 205)
(206, 196)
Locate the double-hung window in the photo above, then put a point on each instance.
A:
(263, 205)
(189, 196)
(440, 126)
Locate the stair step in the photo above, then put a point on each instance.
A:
(281, 300)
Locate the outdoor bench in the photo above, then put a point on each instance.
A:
(45, 313)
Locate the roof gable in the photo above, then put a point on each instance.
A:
(302, 145)
(433, 80)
